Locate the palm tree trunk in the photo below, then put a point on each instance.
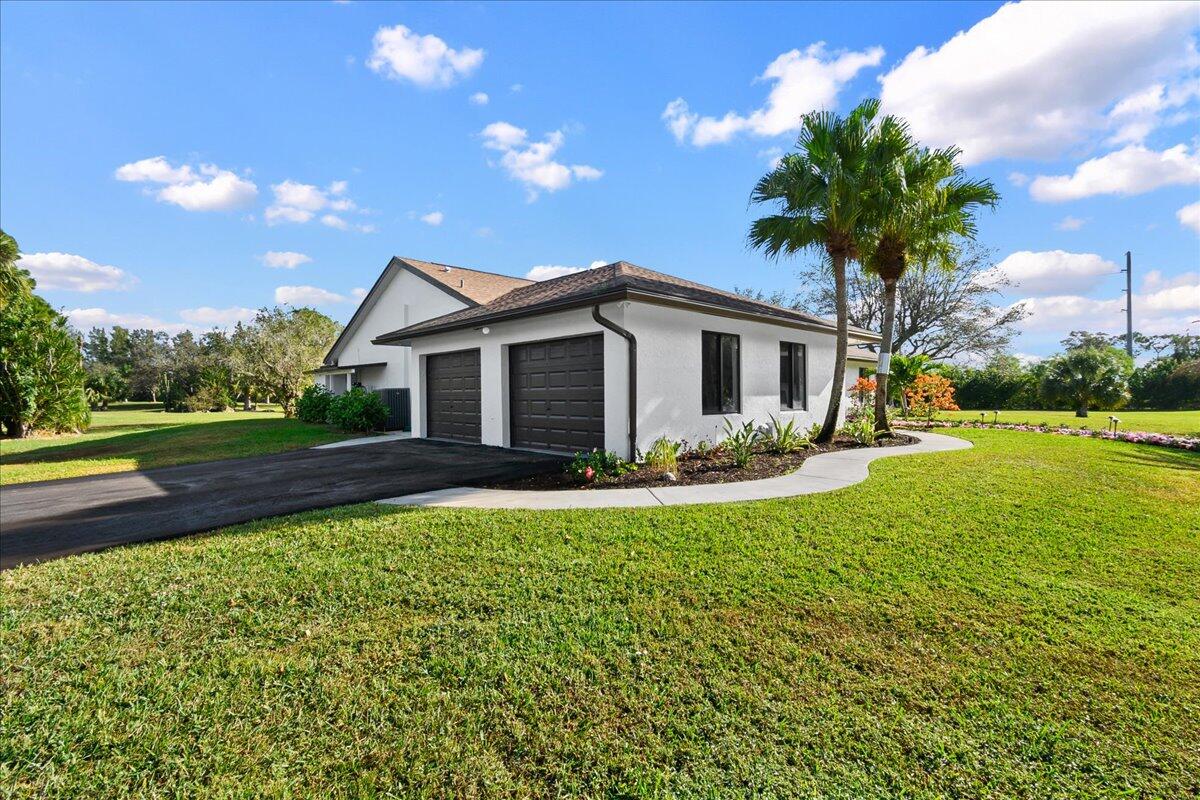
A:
(829, 427)
(885, 357)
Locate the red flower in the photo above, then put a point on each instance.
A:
(589, 473)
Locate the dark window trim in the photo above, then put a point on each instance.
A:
(793, 348)
(737, 374)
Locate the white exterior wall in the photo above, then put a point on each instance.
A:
(405, 300)
(493, 369)
(669, 375)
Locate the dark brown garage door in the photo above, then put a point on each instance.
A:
(557, 394)
(452, 396)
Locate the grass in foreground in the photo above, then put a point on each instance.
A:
(146, 437)
(1025, 622)
(1185, 423)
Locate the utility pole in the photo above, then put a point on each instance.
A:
(1128, 302)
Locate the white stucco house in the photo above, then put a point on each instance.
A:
(408, 291)
(611, 357)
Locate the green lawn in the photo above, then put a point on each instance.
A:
(1177, 422)
(143, 436)
(1018, 619)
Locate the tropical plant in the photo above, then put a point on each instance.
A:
(209, 397)
(905, 370)
(598, 465)
(105, 385)
(822, 195)
(929, 394)
(663, 455)
(14, 281)
(1086, 377)
(740, 440)
(785, 437)
(357, 410)
(861, 430)
(925, 203)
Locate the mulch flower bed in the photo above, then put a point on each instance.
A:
(695, 469)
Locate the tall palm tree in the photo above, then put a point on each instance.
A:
(823, 195)
(923, 204)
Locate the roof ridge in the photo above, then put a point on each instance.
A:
(465, 269)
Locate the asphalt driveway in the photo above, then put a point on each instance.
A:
(41, 521)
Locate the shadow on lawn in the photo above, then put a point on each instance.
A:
(157, 439)
(1150, 456)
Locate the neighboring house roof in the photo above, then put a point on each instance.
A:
(470, 286)
(343, 367)
(861, 354)
(618, 281)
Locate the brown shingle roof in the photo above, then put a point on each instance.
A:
(611, 281)
(475, 285)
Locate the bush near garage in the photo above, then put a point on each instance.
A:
(357, 410)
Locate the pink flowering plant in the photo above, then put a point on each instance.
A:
(1135, 437)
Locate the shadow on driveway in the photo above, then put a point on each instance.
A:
(41, 521)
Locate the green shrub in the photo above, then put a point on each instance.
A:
(663, 455)
(209, 398)
(357, 410)
(783, 438)
(598, 465)
(861, 430)
(313, 404)
(739, 442)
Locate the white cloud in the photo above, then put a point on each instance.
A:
(545, 272)
(1051, 271)
(1069, 223)
(306, 296)
(210, 317)
(1131, 170)
(517, 88)
(85, 318)
(1189, 216)
(1154, 280)
(74, 273)
(772, 155)
(207, 188)
(1168, 310)
(301, 202)
(1035, 79)
(433, 218)
(284, 259)
(399, 53)
(479, 99)
(358, 293)
(1140, 113)
(804, 81)
(532, 163)
(1018, 178)
(485, 232)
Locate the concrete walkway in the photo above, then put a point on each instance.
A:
(821, 473)
(395, 436)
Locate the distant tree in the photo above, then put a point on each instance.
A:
(41, 366)
(1087, 377)
(105, 385)
(281, 347)
(943, 314)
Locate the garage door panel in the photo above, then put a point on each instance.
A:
(557, 394)
(452, 396)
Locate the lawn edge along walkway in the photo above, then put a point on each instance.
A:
(821, 473)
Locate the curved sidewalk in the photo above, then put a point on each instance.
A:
(821, 473)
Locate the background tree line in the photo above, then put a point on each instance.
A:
(51, 376)
(265, 360)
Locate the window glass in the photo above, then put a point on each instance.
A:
(720, 373)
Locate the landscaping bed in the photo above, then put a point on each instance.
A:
(697, 468)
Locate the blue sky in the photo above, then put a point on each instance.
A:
(152, 155)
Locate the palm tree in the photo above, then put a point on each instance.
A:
(823, 197)
(1087, 376)
(922, 205)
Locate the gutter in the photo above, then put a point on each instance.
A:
(632, 340)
